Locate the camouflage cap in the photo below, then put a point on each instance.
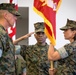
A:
(10, 8)
(39, 27)
(69, 24)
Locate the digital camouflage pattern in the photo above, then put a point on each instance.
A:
(36, 59)
(10, 8)
(20, 65)
(69, 24)
(67, 66)
(39, 27)
(7, 61)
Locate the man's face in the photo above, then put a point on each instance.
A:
(11, 19)
(40, 37)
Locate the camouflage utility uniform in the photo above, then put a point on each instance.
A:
(67, 66)
(7, 61)
(20, 65)
(36, 59)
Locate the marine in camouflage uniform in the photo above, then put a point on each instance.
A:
(66, 65)
(36, 55)
(36, 59)
(7, 49)
(7, 61)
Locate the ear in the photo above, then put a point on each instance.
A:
(74, 32)
(35, 35)
(5, 15)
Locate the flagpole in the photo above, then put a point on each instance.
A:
(51, 70)
(52, 66)
(49, 18)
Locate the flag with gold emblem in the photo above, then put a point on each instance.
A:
(47, 10)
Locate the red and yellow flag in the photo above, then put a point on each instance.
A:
(47, 10)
